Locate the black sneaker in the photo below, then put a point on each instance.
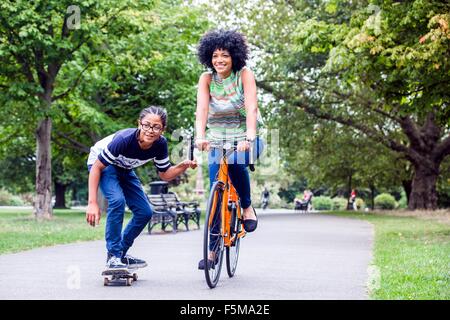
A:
(133, 263)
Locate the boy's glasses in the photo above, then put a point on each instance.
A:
(156, 128)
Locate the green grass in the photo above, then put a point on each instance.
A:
(412, 256)
(20, 231)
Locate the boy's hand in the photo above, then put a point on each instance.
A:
(93, 214)
(189, 164)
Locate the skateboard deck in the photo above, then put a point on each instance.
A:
(115, 277)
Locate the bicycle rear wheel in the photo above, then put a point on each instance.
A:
(213, 242)
(232, 252)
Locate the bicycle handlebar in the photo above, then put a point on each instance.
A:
(251, 162)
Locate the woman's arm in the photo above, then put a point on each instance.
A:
(201, 115)
(251, 108)
(175, 171)
(251, 102)
(93, 211)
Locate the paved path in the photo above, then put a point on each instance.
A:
(291, 256)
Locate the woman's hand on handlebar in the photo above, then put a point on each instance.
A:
(202, 144)
(243, 146)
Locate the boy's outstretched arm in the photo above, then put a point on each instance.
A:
(93, 210)
(175, 171)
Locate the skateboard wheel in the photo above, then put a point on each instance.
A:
(135, 276)
(128, 282)
(105, 281)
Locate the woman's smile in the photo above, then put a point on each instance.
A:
(222, 62)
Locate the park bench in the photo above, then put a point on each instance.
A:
(303, 206)
(185, 211)
(162, 213)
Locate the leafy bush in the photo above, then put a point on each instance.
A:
(360, 204)
(322, 203)
(339, 203)
(403, 202)
(8, 199)
(385, 201)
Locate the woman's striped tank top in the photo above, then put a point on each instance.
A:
(226, 116)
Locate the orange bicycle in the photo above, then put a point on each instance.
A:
(223, 222)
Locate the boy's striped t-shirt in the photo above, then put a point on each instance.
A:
(122, 149)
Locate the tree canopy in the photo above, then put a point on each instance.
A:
(359, 90)
(73, 83)
(379, 67)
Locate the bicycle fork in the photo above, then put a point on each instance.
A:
(233, 216)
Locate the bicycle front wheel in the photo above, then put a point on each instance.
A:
(232, 252)
(213, 242)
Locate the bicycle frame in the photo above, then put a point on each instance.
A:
(231, 196)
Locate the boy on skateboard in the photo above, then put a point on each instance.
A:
(110, 164)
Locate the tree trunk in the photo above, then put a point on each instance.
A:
(60, 195)
(372, 196)
(426, 152)
(423, 189)
(74, 200)
(43, 201)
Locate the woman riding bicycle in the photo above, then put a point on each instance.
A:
(227, 106)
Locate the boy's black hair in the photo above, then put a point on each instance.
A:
(230, 40)
(156, 110)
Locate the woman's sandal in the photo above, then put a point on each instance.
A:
(211, 263)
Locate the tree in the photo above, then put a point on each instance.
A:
(345, 159)
(46, 59)
(17, 167)
(156, 65)
(380, 67)
(36, 42)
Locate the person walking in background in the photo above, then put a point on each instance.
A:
(353, 200)
(265, 198)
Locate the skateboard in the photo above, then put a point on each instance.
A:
(112, 277)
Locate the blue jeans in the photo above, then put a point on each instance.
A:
(120, 187)
(237, 169)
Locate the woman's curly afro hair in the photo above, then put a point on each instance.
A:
(230, 40)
